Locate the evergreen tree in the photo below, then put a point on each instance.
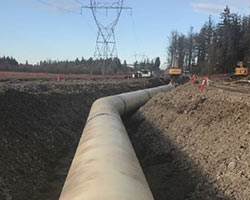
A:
(157, 64)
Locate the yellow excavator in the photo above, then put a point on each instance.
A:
(174, 71)
(241, 70)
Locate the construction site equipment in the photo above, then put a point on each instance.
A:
(105, 166)
(144, 73)
(240, 70)
(174, 70)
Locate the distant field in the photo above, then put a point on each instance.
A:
(29, 75)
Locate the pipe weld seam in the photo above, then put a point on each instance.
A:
(124, 103)
(148, 93)
(103, 114)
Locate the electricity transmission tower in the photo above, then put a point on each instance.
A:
(105, 42)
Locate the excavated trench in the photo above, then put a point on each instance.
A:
(191, 145)
(40, 125)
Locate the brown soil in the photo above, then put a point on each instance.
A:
(30, 75)
(195, 145)
(40, 125)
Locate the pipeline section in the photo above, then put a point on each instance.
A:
(105, 166)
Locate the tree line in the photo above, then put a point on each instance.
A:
(78, 66)
(8, 62)
(216, 48)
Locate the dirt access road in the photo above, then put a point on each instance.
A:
(40, 125)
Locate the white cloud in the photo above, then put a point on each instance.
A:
(208, 8)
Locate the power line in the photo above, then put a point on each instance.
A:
(79, 2)
(68, 10)
(105, 41)
(57, 7)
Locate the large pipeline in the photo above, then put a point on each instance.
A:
(105, 166)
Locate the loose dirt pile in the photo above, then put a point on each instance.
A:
(40, 125)
(195, 145)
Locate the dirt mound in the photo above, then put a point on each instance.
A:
(40, 125)
(195, 145)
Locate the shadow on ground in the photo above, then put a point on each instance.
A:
(170, 173)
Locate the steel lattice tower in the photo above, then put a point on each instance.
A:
(105, 42)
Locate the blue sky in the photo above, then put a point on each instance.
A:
(33, 31)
